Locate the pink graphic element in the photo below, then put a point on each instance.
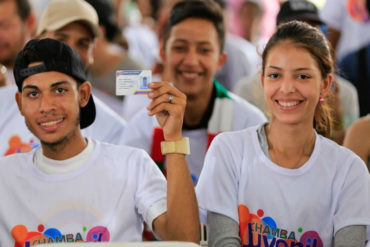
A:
(311, 238)
(98, 234)
(357, 10)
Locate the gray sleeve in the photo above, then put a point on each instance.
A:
(222, 230)
(350, 236)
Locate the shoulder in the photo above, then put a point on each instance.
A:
(140, 122)
(119, 151)
(362, 125)
(340, 156)
(104, 112)
(358, 133)
(244, 107)
(7, 96)
(16, 160)
(235, 140)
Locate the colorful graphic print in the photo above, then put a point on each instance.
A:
(357, 10)
(259, 231)
(17, 146)
(24, 238)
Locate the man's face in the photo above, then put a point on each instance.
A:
(13, 33)
(50, 103)
(192, 56)
(77, 36)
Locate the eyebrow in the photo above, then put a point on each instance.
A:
(197, 42)
(278, 68)
(55, 84)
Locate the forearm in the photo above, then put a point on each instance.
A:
(350, 236)
(222, 230)
(182, 208)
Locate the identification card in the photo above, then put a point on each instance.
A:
(129, 82)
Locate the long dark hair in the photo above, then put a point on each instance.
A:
(311, 39)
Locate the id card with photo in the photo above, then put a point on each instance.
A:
(129, 82)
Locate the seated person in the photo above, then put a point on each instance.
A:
(78, 188)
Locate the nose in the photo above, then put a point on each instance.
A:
(47, 103)
(287, 86)
(191, 57)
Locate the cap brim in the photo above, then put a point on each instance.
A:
(55, 26)
(88, 113)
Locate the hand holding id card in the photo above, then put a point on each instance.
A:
(129, 82)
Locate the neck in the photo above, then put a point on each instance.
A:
(65, 148)
(290, 146)
(196, 107)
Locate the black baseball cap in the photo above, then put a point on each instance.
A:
(55, 56)
(300, 10)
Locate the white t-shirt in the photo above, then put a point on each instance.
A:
(242, 60)
(105, 199)
(309, 204)
(139, 132)
(15, 136)
(354, 34)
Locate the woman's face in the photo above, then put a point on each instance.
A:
(292, 83)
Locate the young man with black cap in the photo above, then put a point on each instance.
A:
(76, 23)
(78, 189)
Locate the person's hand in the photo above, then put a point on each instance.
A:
(3, 81)
(168, 105)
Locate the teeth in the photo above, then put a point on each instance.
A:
(287, 104)
(51, 123)
(191, 75)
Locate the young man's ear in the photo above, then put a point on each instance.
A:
(221, 60)
(18, 99)
(162, 54)
(84, 92)
(31, 24)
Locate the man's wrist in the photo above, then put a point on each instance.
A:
(180, 147)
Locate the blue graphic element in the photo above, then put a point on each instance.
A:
(270, 222)
(194, 178)
(53, 233)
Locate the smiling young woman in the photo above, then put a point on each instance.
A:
(284, 183)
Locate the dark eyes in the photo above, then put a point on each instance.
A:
(32, 94)
(60, 90)
(303, 76)
(273, 75)
(300, 76)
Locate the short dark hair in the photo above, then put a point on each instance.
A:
(23, 8)
(202, 9)
(106, 16)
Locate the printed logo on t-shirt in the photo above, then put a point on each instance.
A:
(17, 146)
(257, 230)
(24, 238)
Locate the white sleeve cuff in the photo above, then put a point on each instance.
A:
(155, 210)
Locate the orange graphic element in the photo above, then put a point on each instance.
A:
(245, 218)
(16, 146)
(20, 234)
